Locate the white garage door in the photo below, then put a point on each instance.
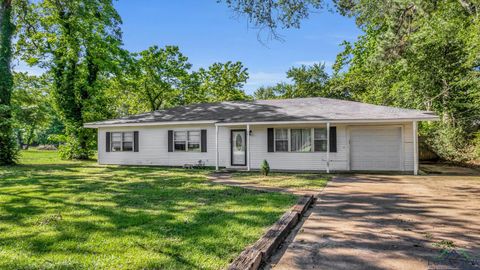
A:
(376, 148)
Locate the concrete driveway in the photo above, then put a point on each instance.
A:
(389, 222)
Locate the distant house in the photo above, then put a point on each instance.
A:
(291, 134)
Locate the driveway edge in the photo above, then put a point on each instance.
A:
(252, 257)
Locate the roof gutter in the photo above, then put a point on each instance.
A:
(340, 121)
(351, 121)
(100, 125)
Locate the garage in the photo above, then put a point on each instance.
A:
(376, 148)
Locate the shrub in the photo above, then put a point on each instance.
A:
(265, 168)
(476, 143)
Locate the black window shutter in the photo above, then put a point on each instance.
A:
(135, 141)
(107, 142)
(270, 139)
(203, 139)
(333, 139)
(170, 141)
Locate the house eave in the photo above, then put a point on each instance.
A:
(134, 124)
(335, 121)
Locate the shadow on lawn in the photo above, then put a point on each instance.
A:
(172, 212)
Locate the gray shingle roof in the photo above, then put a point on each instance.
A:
(300, 109)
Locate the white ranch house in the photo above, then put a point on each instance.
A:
(311, 134)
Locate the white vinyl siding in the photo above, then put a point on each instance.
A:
(311, 161)
(153, 145)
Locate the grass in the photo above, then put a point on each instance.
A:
(292, 181)
(58, 214)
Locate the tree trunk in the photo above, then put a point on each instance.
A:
(8, 148)
(30, 136)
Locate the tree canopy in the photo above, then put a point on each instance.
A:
(412, 54)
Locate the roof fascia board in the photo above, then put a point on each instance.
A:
(330, 121)
(93, 125)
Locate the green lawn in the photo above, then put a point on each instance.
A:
(58, 214)
(291, 181)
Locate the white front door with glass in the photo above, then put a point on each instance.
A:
(239, 147)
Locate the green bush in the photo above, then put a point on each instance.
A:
(265, 168)
(77, 146)
(476, 144)
(449, 143)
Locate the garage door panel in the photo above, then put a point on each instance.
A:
(376, 148)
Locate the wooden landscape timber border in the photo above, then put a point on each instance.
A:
(252, 257)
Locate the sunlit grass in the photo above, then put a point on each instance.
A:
(283, 180)
(58, 214)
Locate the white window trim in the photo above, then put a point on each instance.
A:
(312, 140)
(121, 141)
(187, 141)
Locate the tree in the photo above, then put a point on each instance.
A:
(414, 54)
(273, 92)
(265, 92)
(79, 43)
(160, 75)
(8, 152)
(223, 82)
(155, 78)
(275, 13)
(309, 81)
(31, 105)
(421, 56)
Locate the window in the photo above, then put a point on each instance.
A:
(121, 141)
(281, 140)
(186, 141)
(320, 139)
(194, 141)
(116, 141)
(180, 140)
(127, 144)
(301, 140)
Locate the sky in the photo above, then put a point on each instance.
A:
(208, 32)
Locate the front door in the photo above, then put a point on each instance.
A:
(239, 147)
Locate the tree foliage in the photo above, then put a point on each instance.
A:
(31, 106)
(79, 43)
(275, 13)
(223, 81)
(307, 81)
(156, 79)
(8, 148)
(160, 78)
(413, 54)
(423, 56)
